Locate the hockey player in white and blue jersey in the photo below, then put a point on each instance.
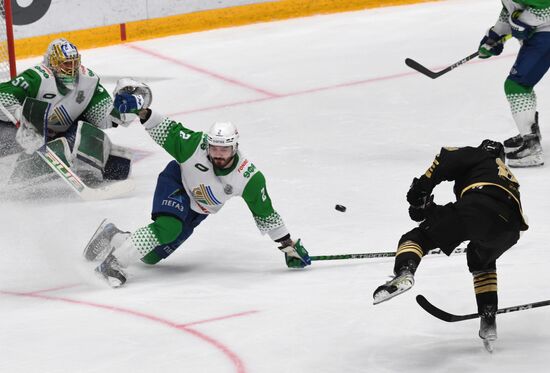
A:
(529, 22)
(208, 169)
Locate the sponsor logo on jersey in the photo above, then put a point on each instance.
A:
(175, 200)
(203, 194)
(242, 166)
(177, 195)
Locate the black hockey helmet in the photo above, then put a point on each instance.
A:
(495, 148)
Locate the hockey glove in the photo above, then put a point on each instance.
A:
(520, 30)
(296, 256)
(419, 191)
(420, 213)
(491, 44)
(128, 103)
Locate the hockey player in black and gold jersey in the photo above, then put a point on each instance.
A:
(487, 212)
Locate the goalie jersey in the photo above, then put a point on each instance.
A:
(88, 101)
(210, 188)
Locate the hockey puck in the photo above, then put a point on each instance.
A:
(340, 208)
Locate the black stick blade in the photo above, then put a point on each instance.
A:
(421, 69)
(439, 313)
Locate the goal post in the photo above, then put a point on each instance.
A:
(7, 48)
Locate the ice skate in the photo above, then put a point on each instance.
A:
(111, 270)
(101, 242)
(399, 284)
(528, 154)
(488, 332)
(514, 143)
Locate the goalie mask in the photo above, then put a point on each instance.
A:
(63, 59)
(222, 139)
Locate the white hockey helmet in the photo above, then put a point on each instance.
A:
(223, 134)
(63, 59)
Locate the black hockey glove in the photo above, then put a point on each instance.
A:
(419, 191)
(420, 198)
(420, 213)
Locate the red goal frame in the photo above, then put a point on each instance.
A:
(9, 37)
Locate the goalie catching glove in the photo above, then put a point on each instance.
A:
(296, 256)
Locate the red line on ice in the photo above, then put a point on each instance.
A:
(217, 318)
(232, 356)
(320, 89)
(202, 70)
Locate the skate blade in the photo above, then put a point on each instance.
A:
(489, 345)
(112, 281)
(385, 295)
(85, 253)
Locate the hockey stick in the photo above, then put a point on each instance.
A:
(433, 74)
(449, 317)
(60, 168)
(458, 250)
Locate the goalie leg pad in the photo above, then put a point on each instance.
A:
(93, 147)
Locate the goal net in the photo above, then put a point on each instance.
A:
(6, 52)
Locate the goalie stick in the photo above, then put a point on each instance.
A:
(458, 250)
(60, 168)
(449, 317)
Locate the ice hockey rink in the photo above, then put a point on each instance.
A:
(330, 113)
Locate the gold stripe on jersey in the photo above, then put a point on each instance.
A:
(409, 247)
(471, 186)
(484, 183)
(430, 170)
(485, 282)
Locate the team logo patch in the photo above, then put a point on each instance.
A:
(228, 189)
(203, 194)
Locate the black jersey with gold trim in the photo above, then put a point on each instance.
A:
(472, 169)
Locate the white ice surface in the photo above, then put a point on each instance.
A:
(329, 112)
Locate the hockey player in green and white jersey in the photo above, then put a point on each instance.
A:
(529, 22)
(208, 170)
(80, 109)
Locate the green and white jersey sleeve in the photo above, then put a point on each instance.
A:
(13, 92)
(208, 188)
(533, 12)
